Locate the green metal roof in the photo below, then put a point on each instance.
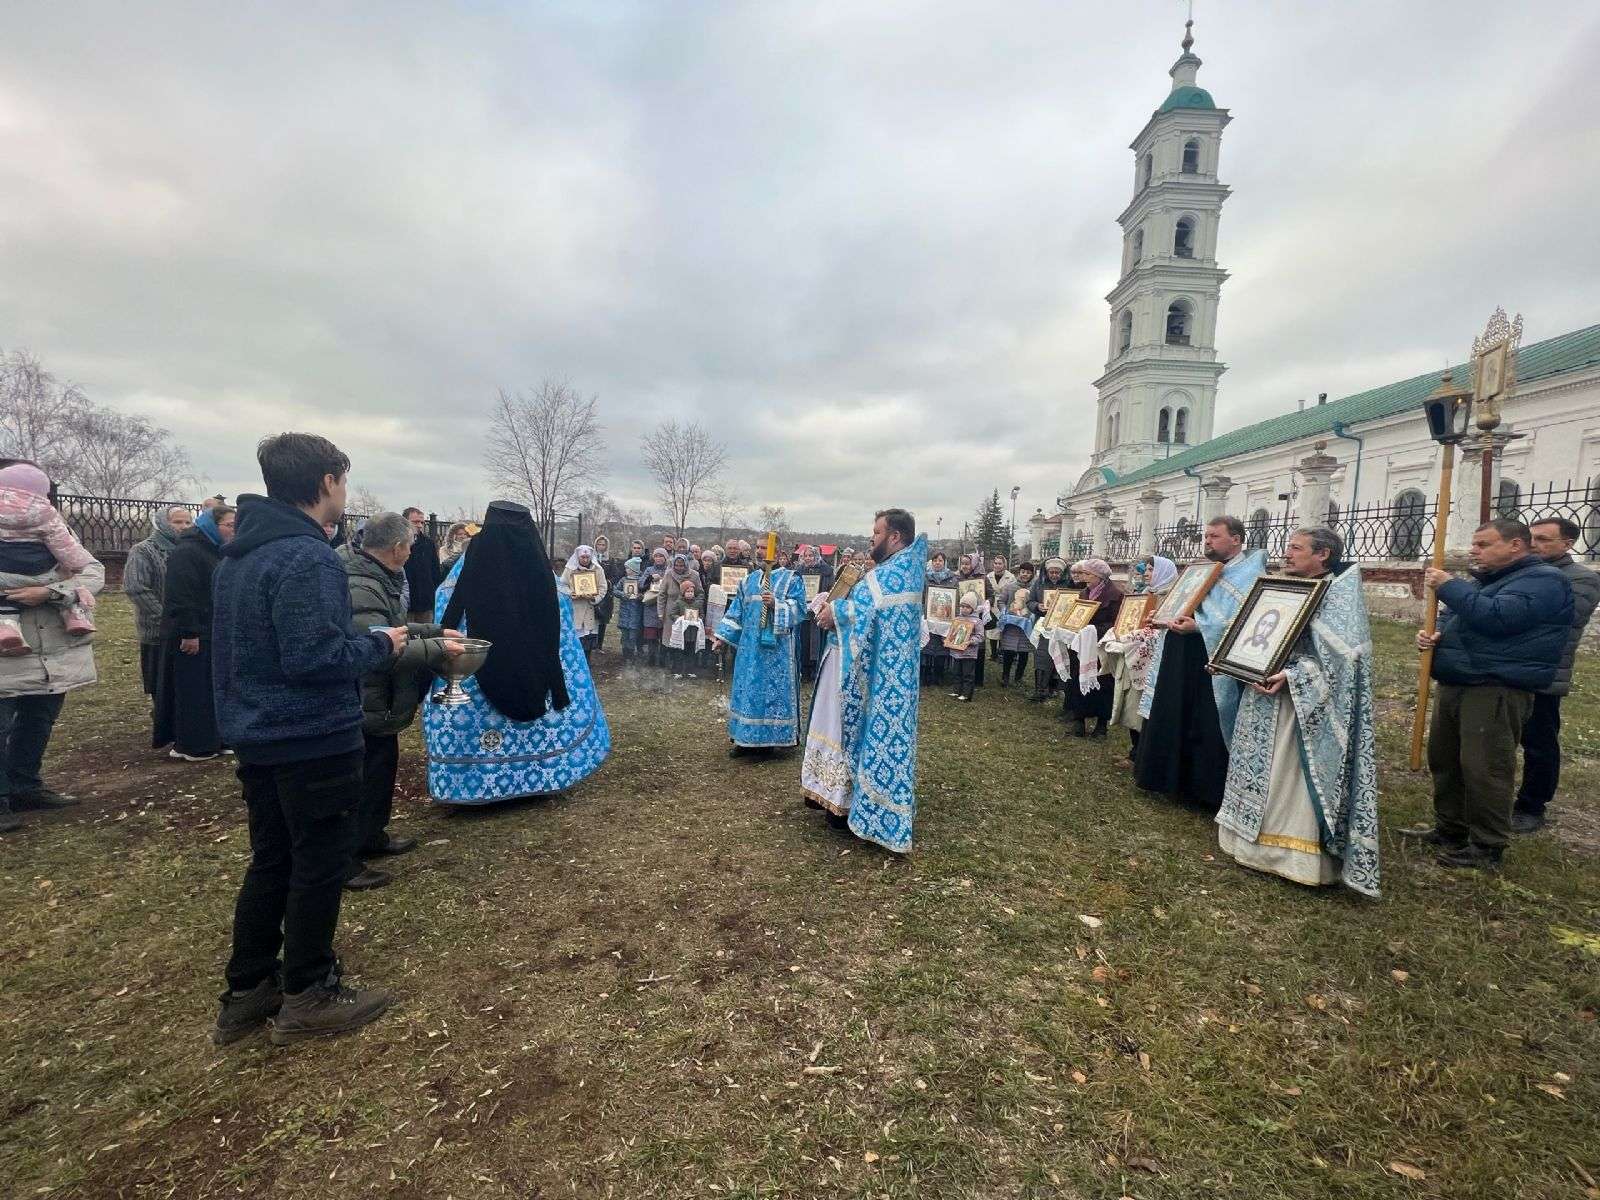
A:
(1188, 96)
(1570, 352)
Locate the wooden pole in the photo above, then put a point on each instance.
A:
(1485, 500)
(1430, 618)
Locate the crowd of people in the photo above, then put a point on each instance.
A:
(267, 638)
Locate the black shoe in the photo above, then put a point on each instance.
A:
(9, 821)
(1099, 730)
(365, 879)
(1472, 858)
(42, 798)
(391, 845)
(240, 1014)
(739, 751)
(1430, 835)
(1526, 822)
(838, 822)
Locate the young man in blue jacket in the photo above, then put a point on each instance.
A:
(287, 671)
(1499, 643)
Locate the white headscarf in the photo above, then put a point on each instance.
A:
(574, 565)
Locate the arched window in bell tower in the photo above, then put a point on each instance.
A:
(1164, 426)
(1124, 331)
(1183, 238)
(1191, 157)
(1180, 323)
(1180, 427)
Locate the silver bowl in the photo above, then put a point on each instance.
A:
(460, 667)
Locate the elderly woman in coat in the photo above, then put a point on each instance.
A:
(34, 684)
(1088, 688)
(144, 578)
(585, 596)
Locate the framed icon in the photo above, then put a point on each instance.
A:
(1491, 372)
(630, 589)
(1263, 632)
(1019, 603)
(813, 586)
(849, 575)
(583, 585)
(1047, 601)
(972, 586)
(1058, 611)
(941, 604)
(1132, 615)
(733, 578)
(960, 635)
(1080, 614)
(1188, 591)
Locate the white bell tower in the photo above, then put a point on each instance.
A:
(1159, 390)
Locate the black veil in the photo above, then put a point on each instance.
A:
(507, 593)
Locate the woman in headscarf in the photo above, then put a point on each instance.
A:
(586, 597)
(1088, 684)
(1015, 622)
(144, 581)
(678, 571)
(1052, 579)
(935, 658)
(186, 712)
(1129, 659)
(535, 724)
(606, 605)
(455, 545)
(651, 581)
(970, 566)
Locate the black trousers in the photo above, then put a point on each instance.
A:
(967, 674)
(25, 725)
(302, 835)
(185, 711)
(600, 633)
(149, 665)
(1013, 660)
(1541, 756)
(380, 760)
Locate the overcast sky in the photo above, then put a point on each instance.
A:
(867, 243)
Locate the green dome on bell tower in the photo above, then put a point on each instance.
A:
(1186, 93)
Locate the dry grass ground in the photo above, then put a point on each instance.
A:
(677, 981)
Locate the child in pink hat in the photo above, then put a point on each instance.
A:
(35, 542)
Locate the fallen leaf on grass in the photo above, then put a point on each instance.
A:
(820, 1070)
(1144, 1061)
(1407, 1170)
(1317, 1002)
(1144, 1164)
(1399, 976)
(1578, 939)
(1091, 922)
(1551, 1089)
(1100, 974)
(437, 842)
(1561, 1077)
(1079, 1078)
(869, 1157)
(815, 1050)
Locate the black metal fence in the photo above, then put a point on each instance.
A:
(1577, 502)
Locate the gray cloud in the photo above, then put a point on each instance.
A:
(867, 243)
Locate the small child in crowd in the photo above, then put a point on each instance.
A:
(36, 547)
(683, 620)
(629, 610)
(964, 641)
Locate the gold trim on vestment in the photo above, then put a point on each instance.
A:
(1284, 842)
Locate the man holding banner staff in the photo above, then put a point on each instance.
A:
(1500, 642)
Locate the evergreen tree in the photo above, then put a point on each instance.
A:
(990, 532)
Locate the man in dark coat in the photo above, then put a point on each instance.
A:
(422, 569)
(390, 695)
(1500, 641)
(1553, 540)
(287, 667)
(185, 712)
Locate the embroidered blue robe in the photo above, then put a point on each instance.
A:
(764, 704)
(477, 756)
(1213, 616)
(1329, 680)
(879, 640)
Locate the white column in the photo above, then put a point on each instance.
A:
(1100, 530)
(1036, 534)
(1149, 515)
(1214, 493)
(1069, 530)
(1316, 483)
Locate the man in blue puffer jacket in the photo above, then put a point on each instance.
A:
(287, 670)
(1500, 641)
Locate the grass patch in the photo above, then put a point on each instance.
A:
(677, 981)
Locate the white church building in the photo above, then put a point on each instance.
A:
(1363, 463)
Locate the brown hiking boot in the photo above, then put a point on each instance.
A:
(241, 1013)
(326, 1009)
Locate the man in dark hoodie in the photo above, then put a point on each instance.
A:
(287, 668)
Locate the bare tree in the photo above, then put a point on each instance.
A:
(127, 456)
(772, 516)
(39, 417)
(366, 502)
(729, 507)
(686, 461)
(543, 448)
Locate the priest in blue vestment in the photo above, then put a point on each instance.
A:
(535, 724)
(761, 621)
(860, 761)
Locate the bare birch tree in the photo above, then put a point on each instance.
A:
(772, 516)
(729, 507)
(39, 416)
(686, 462)
(544, 448)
